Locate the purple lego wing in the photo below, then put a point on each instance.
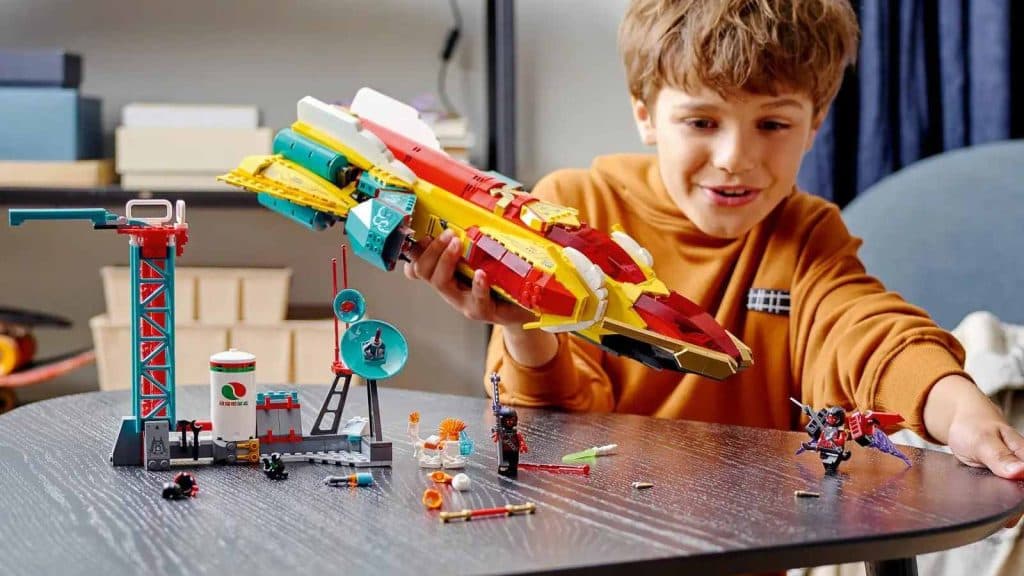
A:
(880, 441)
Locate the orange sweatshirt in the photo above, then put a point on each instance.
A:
(845, 341)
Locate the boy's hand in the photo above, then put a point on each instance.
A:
(979, 439)
(436, 263)
(959, 414)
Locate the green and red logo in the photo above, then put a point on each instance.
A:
(233, 390)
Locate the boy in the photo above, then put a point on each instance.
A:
(731, 94)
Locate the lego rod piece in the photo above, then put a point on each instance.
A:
(591, 452)
(98, 216)
(357, 479)
(807, 410)
(557, 468)
(806, 494)
(507, 510)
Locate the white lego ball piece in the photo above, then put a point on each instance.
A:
(461, 482)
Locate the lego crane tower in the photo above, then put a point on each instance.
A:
(143, 438)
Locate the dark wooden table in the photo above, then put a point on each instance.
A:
(722, 502)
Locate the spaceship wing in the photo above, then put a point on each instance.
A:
(393, 115)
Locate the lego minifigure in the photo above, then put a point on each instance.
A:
(831, 427)
(510, 442)
(183, 486)
(273, 467)
(446, 449)
(374, 351)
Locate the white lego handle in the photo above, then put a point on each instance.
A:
(151, 202)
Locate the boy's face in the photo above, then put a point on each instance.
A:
(727, 163)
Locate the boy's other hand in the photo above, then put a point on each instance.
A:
(981, 441)
(435, 261)
(976, 433)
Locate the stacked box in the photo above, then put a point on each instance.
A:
(185, 147)
(47, 68)
(113, 352)
(55, 124)
(312, 351)
(193, 346)
(117, 294)
(50, 135)
(271, 345)
(217, 309)
(218, 296)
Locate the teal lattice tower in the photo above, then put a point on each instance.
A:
(153, 244)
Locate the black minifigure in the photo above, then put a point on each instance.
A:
(273, 467)
(183, 486)
(510, 442)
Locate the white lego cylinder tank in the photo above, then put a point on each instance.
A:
(232, 395)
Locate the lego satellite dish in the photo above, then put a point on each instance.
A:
(349, 306)
(374, 349)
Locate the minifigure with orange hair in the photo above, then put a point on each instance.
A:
(446, 449)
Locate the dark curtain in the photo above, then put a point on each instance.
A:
(931, 75)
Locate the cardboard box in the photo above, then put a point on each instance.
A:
(161, 115)
(113, 352)
(265, 295)
(272, 346)
(184, 150)
(55, 124)
(193, 346)
(78, 174)
(312, 351)
(117, 293)
(218, 296)
(40, 67)
(172, 181)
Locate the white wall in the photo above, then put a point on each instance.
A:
(572, 106)
(573, 103)
(264, 52)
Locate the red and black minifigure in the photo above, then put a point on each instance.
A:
(183, 486)
(510, 442)
(831, 427)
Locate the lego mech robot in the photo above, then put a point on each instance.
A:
(831, 427)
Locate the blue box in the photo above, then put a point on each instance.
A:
(41, 67)
(48, 124)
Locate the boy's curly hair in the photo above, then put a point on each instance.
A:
(759, 46)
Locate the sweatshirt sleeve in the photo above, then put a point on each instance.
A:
(575, 378)
(854, 343)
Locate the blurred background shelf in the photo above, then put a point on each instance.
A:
(195, 52)
(117, 196)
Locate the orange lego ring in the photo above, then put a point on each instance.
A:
(441, 477)
(432, 499)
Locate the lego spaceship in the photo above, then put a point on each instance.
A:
(379, 168)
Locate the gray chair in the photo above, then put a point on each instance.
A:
(947, 232)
